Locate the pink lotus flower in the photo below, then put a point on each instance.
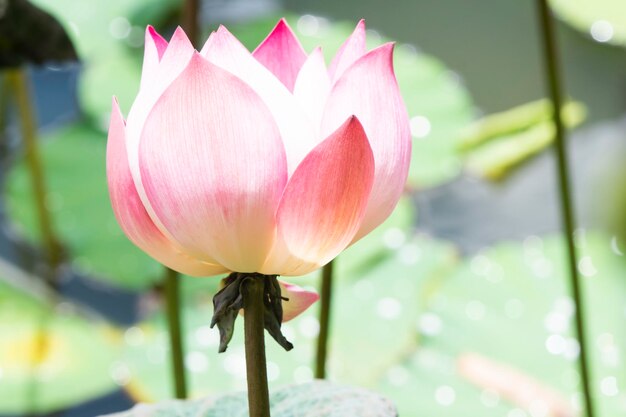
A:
(266, 162)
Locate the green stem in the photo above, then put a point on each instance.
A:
(552, 73)
(174, 325)
(17, 80)
(254, 310)
(322, 338)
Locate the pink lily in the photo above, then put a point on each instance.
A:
(258, 162)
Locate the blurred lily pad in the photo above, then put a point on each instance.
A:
(603, 20)
(74, 163)
(50, 358)
(510, 304)
(316, 399)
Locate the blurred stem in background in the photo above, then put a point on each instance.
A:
(552, 73)
(17, 83)
(16, 87)
(189, 22)
(322, 338)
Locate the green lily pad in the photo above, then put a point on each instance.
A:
(95, 28)
(510, 304)
(50, 359)
(109, 47)
(316, 399)
(374, 317)
(74, 164)
(603, 20)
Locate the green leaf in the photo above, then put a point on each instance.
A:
(50, 359)
(604, 20)
(515, 120)
(314, 399)
(510, 303)
(494, 152)
(74, 165)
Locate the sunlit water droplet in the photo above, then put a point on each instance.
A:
(516, 412)
(615, 247)
(373, 36)
(556, 322)
(389, 308)
(310, 25)
(135, 38)
(410, 254)
(533, 245)
(565, 305)
(429, 324)
(398, 375)
(420, 127)
(134, 336)
(196, 362)
(555, 344)
(309, 327)
(445, 395)
(542, 267)
(288, 332)
(586, 267)
(602, 31)
(207, 337)
(120, 373)
(608, 386)
(394, 238)
(302, 374)
(235, 364)
(480, 265)
(119, 27)
(572, 349)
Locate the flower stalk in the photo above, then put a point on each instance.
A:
(174, 325)
(256, 367)
(553, 78)
(322, 338)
